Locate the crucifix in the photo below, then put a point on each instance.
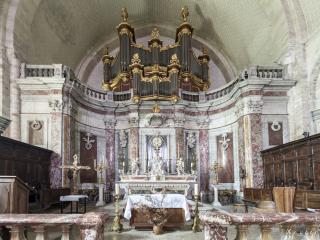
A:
(75, 168)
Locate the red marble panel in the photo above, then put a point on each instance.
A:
(87, 158)
(275, 136)
(204, 159)
(110, 156)
(226, 173)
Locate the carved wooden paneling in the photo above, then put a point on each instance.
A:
(293, 164)
(28, 162)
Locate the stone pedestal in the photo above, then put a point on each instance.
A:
(101, 201)
(216, 202)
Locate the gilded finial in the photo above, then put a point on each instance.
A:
(106, 51)
(184, 13)
(174, 59)
(124, 14)
(135, 58)
(204, 50)
(156, 108)
(155, 33)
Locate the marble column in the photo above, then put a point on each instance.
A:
(56, 147)
(241, 150)
(204, 159)
(180, 151)
(256, 147)
(249, 150)
(110, 157)
(15, 131)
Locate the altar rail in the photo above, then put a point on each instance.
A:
(91, 224)
(216, 224)
(59, 70)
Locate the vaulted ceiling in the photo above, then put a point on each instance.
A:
(65, 31)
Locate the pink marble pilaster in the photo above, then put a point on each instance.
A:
(110, 150)
(55, 171)
(180, 151)
(56, 145)
(204, 159)
(256, 147)
(241, 149)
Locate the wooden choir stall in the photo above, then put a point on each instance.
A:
(294, 164)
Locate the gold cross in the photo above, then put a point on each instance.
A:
(75, 168)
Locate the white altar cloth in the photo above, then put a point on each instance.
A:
(157, 201)
(72, 198)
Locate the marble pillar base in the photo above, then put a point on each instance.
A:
(216, 202)
(100, 202)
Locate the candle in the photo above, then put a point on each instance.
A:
(95, 163)
(117, 189)
(196, 189)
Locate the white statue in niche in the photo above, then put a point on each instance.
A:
(157, 161)
(135, 166)
(180, 166)
(123, 138)
(191, 140)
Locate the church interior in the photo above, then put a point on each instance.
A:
(159, 119)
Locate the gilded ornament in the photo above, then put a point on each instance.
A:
(155, 33)
(156, 108)
(124, 14)
(185, 13)
(174, 59)
(135, 59)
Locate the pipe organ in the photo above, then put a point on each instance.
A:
(155, 72)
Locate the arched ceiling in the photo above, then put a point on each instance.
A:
(64, 31)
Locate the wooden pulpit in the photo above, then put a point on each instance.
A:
(14, 195)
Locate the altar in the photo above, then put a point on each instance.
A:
(166, 184)
(143, 209)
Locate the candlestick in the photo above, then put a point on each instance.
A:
(196, 189)
(116, 225)
(196, 220)
(117, 189)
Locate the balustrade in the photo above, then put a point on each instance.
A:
(91, 225)
(272, 72)
(266, 71)
(216, 224)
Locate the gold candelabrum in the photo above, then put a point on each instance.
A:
(196, 220)
(99, 168)
(215, 168)
(116, 225)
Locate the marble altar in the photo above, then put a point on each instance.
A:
(145, 184)
(157, 201)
